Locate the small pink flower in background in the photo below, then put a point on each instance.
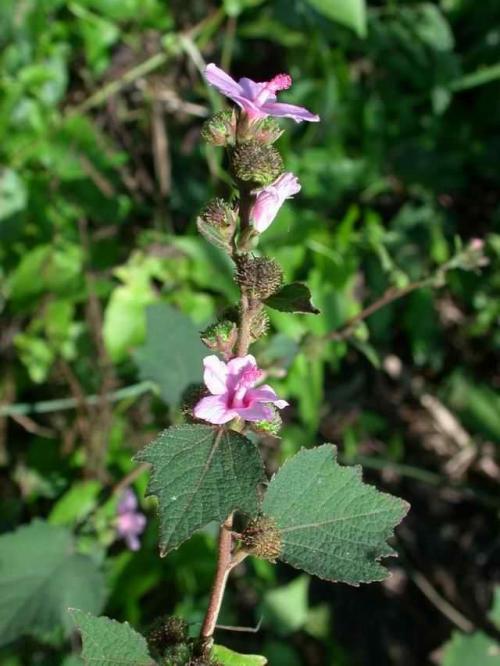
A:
(270, 199)
(258, 100)
(232, 386)
(129, 522)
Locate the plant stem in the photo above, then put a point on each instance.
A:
(224, 561)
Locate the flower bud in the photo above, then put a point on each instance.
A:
(262, 538)
(167, 631)
(219, 130)
(217, 223)
(260, 276)
(256, 163)
(269, 427)
(221, 337)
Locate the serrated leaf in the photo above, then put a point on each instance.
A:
(294, 297)
(332, 524)
(109, 643)
(200, 474)
(40, 576)
(351, 13)
(229, 658)
(173, 354)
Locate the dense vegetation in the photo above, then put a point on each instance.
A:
(105, 281)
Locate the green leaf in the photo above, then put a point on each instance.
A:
(332, 524)
(294, 297)
(351, 13)
(286, 608)
(230, 658)
(13, 195)
(200, 474)
(41, 575)
(475, 649)
(109, 643)
(76, 503)
(173, 354)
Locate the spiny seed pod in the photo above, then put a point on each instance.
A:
(259, 324)
(260, 276)
(262, 538)
(217, 223)
(270, 427)
(221, 336)
(219, 214)
(167, 632)
(256, 163)
(219, 130)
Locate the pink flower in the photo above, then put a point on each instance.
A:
(233, 394)
(270, 199)
(129, 522)
(258, 100)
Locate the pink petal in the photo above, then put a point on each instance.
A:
(287, 185)
(214, 409)
(215, 375)
(222, 81)
(128, 501)
(280, 110)
(251, 89)
(257, 412)
(266, 394)
(236, 365)
(265, 209)
(132, 542)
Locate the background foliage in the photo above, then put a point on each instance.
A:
(104, 282)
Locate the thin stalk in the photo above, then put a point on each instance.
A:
(225, 559)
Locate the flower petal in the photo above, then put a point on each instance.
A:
(257, 412)
(251, 89)
(218, 78)
(280, 110)
(266, 394)
(215, 375)
(214, 409)
(128, 501)
(236, 365)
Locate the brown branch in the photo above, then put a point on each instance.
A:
(219, 585)
(392, 294)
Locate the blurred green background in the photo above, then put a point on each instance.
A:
(104, 283)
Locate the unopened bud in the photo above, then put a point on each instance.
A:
(219, 130)
(260, 276)
(167, 632)
(217, 222)
(256, 163)
(221, 336)
(262, 538)
(270, 426)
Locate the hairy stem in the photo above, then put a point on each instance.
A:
(224, 561)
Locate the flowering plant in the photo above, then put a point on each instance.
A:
(313, 514)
